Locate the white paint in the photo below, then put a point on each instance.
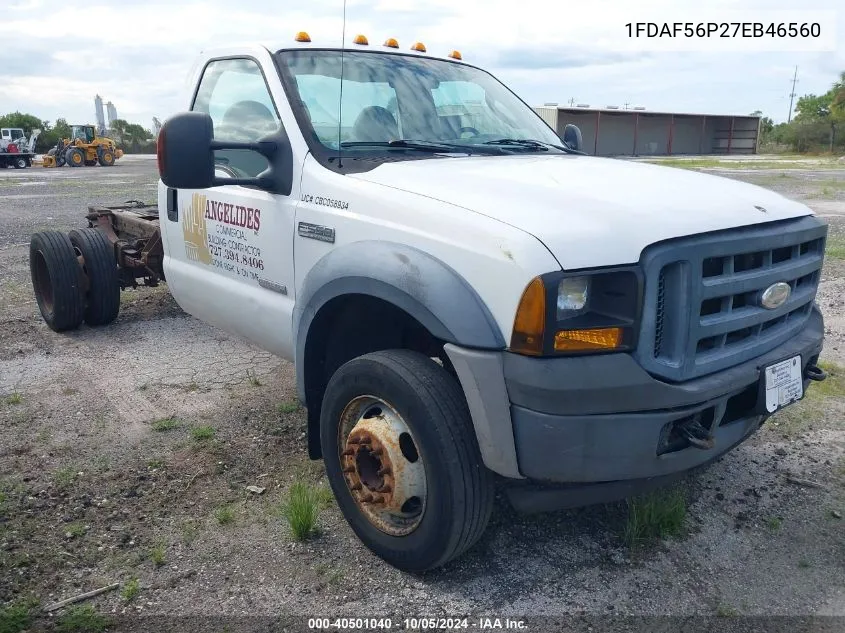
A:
(498, 221)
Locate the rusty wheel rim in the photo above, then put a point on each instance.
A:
(382, 465)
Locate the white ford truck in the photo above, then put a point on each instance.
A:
(465, 295)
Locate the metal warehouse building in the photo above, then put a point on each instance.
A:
(638, 132)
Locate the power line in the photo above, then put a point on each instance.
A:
(792, 94)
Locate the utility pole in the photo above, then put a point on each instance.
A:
(627, 104)
(792, 94)
(571, 101)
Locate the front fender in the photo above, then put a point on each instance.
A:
(426, 288)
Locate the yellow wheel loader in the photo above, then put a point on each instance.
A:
(83, 148)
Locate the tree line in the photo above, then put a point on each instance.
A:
(132, 138)
(816, 127)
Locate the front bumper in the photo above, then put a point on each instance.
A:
(591, 419)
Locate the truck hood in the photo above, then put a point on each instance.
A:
(589, 211)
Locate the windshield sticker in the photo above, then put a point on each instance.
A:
(225, 244)
(325, 202)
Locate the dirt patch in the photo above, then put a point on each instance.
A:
(95, 489)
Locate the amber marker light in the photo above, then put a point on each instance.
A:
(588, 340)
(530, 320)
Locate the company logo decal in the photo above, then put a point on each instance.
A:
(222, 235)
(195, 231)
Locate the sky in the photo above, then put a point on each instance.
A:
(136, 53)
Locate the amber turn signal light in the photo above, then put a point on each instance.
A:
(585, 340)
(530, 321)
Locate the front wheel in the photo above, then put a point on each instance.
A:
(402, 459)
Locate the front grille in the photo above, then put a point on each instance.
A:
(702, 295)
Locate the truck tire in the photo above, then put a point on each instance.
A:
(402, 459)
(106, 158)
(102, 301)
(74, 157)
(20, 163)
(57, 280)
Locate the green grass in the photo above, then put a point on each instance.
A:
(155, 463)
(835, 248)
(726, 611)
(202, 433)
(224, 515)
(804, 564)
(130, 590)
(64, 477)
(17, 616)
(288, 407)
(301, 510)
(13, 398)
(81, 619)
(158, 555)
(325, 496)
(656, 515)
(165, 424)
(774, 523)
(75, 530)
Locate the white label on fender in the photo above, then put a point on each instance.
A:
(783, 383)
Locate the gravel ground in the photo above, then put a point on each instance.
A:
(91, 493)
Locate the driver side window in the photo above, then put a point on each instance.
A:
(234, 93)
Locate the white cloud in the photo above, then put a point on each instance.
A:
(136, 53)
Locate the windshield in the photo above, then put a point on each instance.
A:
(387, 97)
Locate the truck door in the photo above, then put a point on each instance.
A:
(229, 249)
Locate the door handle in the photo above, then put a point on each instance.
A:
(172, 204)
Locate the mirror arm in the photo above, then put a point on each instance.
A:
(267, 149)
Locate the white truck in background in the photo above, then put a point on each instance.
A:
(465, 295)
(15, 149)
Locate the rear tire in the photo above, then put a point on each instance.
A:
(458, 489)
(20, 163)
(57, 280)
(102, 301)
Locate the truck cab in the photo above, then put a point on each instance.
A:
(11, 133)
(467, 296)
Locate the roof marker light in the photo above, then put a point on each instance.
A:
(302, 36)
(418, 46)
(391, 43)
(360, 39)
(455, 55)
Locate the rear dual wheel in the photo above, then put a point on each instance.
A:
(402, 459)
(74, 278)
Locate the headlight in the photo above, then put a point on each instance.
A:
(572, 295)
(595, 311)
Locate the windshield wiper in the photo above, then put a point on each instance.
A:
(530, 143)
(425, 146)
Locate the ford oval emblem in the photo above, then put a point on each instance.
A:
(775, 295)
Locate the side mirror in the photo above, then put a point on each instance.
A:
(185, 153)
(572, 137)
